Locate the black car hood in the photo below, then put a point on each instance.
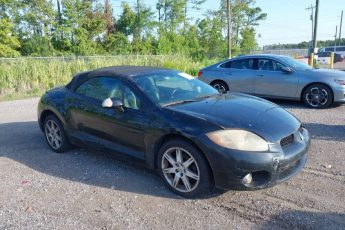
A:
(241, 111)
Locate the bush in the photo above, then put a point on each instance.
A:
(31, 77)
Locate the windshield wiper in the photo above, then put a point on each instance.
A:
(179, 102)
(207, 96)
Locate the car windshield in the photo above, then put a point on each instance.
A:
(297, 65)
(173, 87)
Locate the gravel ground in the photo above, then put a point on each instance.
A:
(83, 189)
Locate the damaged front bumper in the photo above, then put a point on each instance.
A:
(239, 170)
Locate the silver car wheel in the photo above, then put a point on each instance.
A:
(53, 134)
(220, 87)
(317, 97)
(180, 169)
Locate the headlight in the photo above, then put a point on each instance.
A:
(239, 140)
(340, 82)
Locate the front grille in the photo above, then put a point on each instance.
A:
(286, 141)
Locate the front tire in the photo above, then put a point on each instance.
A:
(184, 169)
(318, 96)
(55, 134)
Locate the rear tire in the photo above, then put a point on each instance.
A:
(55, 134)
(184, 169)
(221, 86)
(317, 96)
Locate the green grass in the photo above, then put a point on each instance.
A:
(26, 77)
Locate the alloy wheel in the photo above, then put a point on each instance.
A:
(220, 87)
(317, 97)
(53, 134)
(180, 169)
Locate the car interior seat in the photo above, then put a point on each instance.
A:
(147, 85)
(129, 99)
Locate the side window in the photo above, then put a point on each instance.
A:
(100, 88)
(245, 63)
(130, 100)
(340, 48)
(269, 65)
(226, 65)
(329, 49)
(322, 54)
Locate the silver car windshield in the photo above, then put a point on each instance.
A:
(297, 65)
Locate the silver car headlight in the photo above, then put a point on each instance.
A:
(239, 140)
(339, 81)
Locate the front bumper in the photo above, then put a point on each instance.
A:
(266, 168)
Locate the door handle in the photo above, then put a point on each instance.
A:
(261, 75)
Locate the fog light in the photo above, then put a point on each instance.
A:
(247, 179)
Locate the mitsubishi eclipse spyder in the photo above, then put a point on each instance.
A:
(195, 137)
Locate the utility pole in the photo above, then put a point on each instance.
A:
(341, 25)
(315, 26)
(335, 37)
(229, 28)
(311, 7)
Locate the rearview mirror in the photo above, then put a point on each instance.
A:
(287, 69)
(112, 103)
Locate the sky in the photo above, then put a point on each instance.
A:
(287, 21)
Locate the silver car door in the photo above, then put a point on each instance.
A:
(272, 81)
(239, 74)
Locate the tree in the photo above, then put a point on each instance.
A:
(195, 5)
(210, 36)
(243, 14)
(143, 20)
(109, 19)
(117, 43)
(125, 24)
(8, 42)
(83, 22)
(87, 27)
(248, 41)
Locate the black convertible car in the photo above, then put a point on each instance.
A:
(194, 136)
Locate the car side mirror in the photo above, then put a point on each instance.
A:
(287, 69)
(112, 103)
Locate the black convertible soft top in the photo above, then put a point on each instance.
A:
(113, 71)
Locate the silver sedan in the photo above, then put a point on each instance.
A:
(275, 76)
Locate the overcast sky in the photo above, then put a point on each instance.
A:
(287, 20)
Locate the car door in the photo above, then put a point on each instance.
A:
(108, 127)
(272, 81)
(239, 74)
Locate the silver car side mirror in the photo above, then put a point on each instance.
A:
(107, 103)
(112, 103)
(287, 69)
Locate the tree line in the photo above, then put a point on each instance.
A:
(89, 27)
(306, 45)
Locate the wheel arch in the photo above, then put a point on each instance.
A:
(45, 113)
(313, 83)
(218, 80)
